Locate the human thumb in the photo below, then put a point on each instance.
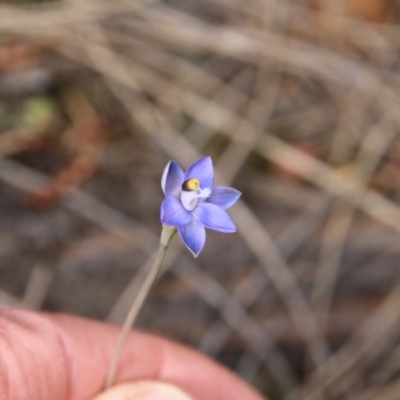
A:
(144, 390)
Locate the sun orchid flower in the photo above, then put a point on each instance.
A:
(192, 202)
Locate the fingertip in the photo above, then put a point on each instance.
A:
(144, 390)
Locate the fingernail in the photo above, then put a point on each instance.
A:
(144, 390)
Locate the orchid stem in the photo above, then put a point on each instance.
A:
(167, 234)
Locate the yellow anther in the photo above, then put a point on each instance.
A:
(191, 185)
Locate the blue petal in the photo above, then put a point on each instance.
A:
(203, 170)
(173, 213)
(194, 236)
(214, 217)
(224, 196)
(172, 179)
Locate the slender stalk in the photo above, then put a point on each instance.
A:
(166, 236)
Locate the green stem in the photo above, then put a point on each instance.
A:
(167, 234)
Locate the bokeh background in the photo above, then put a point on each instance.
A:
(298, 103)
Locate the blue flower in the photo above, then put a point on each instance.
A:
(192, 202)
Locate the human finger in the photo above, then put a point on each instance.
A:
(49, 357)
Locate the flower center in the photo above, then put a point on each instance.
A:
(191, 185)
(192, 193)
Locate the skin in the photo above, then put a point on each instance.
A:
(47, 357)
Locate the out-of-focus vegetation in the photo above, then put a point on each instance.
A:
(298, 103)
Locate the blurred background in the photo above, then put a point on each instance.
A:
(297, 101)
